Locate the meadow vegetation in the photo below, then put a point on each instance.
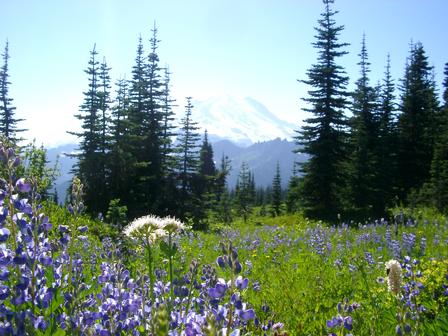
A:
(62, 273)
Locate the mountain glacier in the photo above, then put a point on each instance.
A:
(244, 121)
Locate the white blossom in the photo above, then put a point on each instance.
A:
(393, 269)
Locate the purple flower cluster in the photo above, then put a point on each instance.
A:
(343, 321)
(411, 309)
(54, 278)
(318, 241)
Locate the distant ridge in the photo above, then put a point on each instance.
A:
(261, 157)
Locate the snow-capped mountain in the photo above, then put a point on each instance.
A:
(242, 120)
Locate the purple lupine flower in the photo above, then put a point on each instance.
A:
(222, 261)
(3, 210)
(334, 322)
(348, 321)
(23, 186)
(218, 291)
(4, 292)
(4, 234)
(246, 315)
(241, 283)
(83, 229)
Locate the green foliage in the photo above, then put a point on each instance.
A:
(116, 214)
(36, 170)
(417, 124)
(244, 193)
(363, 161)
(98, 230)
(91, 166)
(276, 199)
(34, 167)
(386, 146)
(323, 137)
(293, 192)
(435, 191)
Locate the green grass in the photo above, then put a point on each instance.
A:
(302, 287)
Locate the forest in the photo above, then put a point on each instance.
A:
(152, 240)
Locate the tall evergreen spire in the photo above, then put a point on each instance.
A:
(323, 137)
(363, 137)
(8, 122)
(417, 122)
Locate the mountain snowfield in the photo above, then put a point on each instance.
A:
(244, 121)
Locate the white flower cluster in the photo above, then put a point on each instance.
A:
(151, 228)
(393, 269)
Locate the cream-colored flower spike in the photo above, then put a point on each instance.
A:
(393, 269)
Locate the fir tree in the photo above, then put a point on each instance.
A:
(8, 122)
(168, 128)
(151, 174)
(223, 208)
(104, 105)
(104, 125)
(324, 136)
(417, 122)
(89, 165)
(244, 192)
(293, 192)
(363, 136)
(435, 191)
(138, 88)
(188, 161)
(276, 198)
(387, 141)
(121, 160)
(206, 164)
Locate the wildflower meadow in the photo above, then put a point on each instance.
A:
(64, 274)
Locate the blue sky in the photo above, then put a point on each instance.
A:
(255, 48)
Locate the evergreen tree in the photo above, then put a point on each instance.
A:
(138, 88)
(121, 160)
(145, 132)
(152, 177)
(276, 199)
(244, 192)
(188, 160)
(417, 123)
(204, 182)
(221, 177)
(150, 182)
(104, 125)
(224, 208)
(222, 200)
(89, 165)
(435, 191)
(104, 104)
(363, 136)
(386, 150)
(207, 165)
(8, 122)
(324, 136)
(168, 128)
(293, 192)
